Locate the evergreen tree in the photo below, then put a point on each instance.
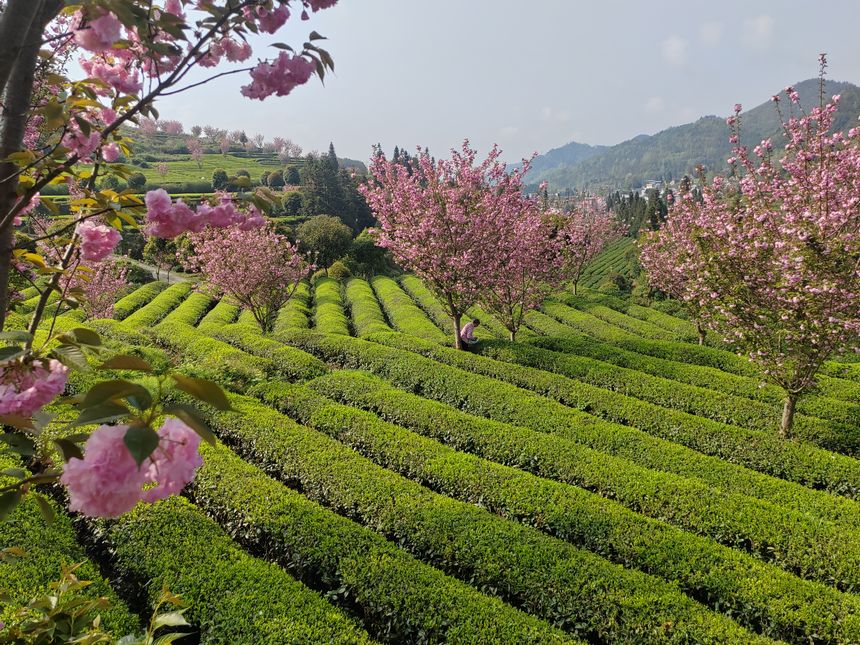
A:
(332, 157)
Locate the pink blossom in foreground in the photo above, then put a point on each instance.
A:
(80, 144)
(110, 152)
(26, 387)
(279, 77)
(235, 51)
(163, 218)
(120, 76)
(97, 240)
(175, 461)
(107, 482)
(99, 34)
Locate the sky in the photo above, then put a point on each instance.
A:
(531, 76)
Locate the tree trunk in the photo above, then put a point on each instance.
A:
(702, 332)
(787, 416)
(574, 286)
(14, 122)
(513, 335)
(458, 342)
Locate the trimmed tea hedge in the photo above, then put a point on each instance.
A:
(366, 315)
(666, 393)
(329, 316)
(127, 305)
(572, 589)
(700, 376)
(47, 547)
(296, 313)
(400, 598)
(232, 597)
(507, 403)
(765, 452)
(434, 309)
(404, 314)
(751, 592)
(158, 307)
(224, 313)
(191, 310)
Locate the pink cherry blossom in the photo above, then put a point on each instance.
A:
(107, 482)
(175, 461)
(27, 386)
(279, 77)
(111, 152)
(97, 240)
(99, 33)
(235, 51)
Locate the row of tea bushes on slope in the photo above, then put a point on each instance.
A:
(753, 593)
(548, 578)
(296, 314)
(404, 314)
(686, 352)
(329, 316)
(431, 305)
(509, 404)
(365, 312)
(232, 597)
(724, 408)
(130, 303)
(695, 375)
(794, 461)
(399, 598)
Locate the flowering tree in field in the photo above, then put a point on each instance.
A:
(257, 267)
(57, 128)
(771, 257)
(443, 220)
(583, 232)
(196, 150)
(101, 287)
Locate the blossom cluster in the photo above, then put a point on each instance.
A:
(167, 219)
(107, 482)
(97, 240)
(28, 385)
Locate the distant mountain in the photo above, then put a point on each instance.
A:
(677, 151)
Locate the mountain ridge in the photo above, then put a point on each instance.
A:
(677, 150)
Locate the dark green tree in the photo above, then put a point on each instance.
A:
(293, 204)
(292, 176)
(332, 157)
(276, 179)
(325, 239)
(219, 179)
(136, 180)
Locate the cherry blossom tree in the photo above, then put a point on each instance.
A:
(60, 126)
(257, 267)
(196, 149)
(528, 269)
(101, 284)
(771, 256)
(171, 127)
(443, 220)
(583, 232)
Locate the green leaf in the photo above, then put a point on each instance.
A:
(111, 390)
(316, 36)
(204, 390)
(17, 421)
(8, 501)
(69, 449)
(17, 336)
(103, 413)
(24, 446)
(141, 441)
(170, 619)
(87, 337)
(70, 355)
(191, 417)
(126, 362)
(11, 353)
(17, 473)
(45, 508)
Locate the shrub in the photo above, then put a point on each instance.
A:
(136, 180)
(338, 271)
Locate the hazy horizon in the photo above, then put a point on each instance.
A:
(531, 78)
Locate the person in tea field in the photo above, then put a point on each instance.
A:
(467, 334)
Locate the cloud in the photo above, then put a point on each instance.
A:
(674, 50)
(655, 104)
(711, 33)
(553, 115)
(758, 32)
